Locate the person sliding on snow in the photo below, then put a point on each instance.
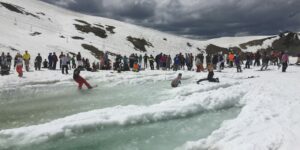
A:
(79, 79)
(210, 76)
(176, 81)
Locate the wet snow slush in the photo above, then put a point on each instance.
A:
(126, 111)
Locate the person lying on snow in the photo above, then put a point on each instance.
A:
(79, 79)
(210, 76)
(176, 81)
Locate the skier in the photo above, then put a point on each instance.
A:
(79, 79)
(210, 76)
(26, 58)
(176, 81)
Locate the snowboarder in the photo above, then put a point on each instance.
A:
(176, 81)
(210, 76)
(79, 79)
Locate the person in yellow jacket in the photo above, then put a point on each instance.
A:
(26, 58)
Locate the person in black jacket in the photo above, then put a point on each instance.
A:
(79, 79)
(38, 62)
(8, 59)
(54, 61)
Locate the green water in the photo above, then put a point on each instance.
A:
(34, 105)
(164, 135)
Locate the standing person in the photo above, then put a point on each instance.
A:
(176, 81)
(8, 59)
(55, 60)
(257, 58)
(210, 76)
(26, 58)
(151, 61)
(73, 62)
(237, 62)
(176, 64)
(284, 61)
(157, 60)
(231, 59)
(50, 59)
(64, 64)
(79, 79)
(220, 63)
(60, 59)
(146, 61)
(248, 61)
(265, 61)
(198, 63)
(69, 62)
(169, 62)
(79, 60)
(208, 60)
(19, 65)
(16, 59)
(3, 62)
(298, 60)
(140, 59)
(38, 62)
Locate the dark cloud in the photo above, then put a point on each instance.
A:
(198, 18)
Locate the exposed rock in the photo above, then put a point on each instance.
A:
(139, 44)
(77, 38)
(35, 33)
(94, 50)
(18, 9)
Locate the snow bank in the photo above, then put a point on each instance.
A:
(269, 120)
(181, 106)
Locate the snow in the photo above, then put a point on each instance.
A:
(16, 29)
(268, 120)
(266, 44)
(270, 102)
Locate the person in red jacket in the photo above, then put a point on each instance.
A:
(79, 79)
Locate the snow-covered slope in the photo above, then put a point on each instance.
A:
(42, 28)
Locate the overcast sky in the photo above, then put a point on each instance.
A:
(197, 18)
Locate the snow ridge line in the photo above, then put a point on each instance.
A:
(181, 107)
